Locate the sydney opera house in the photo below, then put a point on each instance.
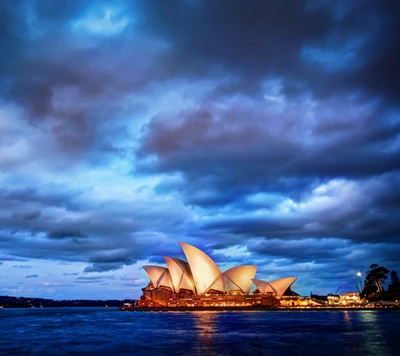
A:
(200, 283)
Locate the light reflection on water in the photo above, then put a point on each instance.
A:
(373, 338)
(94, 331)
(205, 330)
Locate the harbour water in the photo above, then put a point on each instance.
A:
(101, 331)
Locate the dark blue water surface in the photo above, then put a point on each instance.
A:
(100, 331)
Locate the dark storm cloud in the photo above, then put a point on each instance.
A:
(224, 152)
(32, 276)
(31, 215)
(58, 74)
(66, 233)
(12, 258)
(138, 283)
(32, 194)
(31, 210)
(278, 140)
(111, 256)
(365, 212)
(233, 125)
(74, 229)
(19, 39)
(260, 38)
(251, 38)
(110, 260)
(380, 74)
(303, 250)
(78, 250)
(214, 33)
(104, 267)
(93, 279)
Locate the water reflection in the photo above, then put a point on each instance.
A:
(373, 339)
(206, 329)
(347, 318)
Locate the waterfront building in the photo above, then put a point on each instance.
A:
(199, 282)
(350, 298)
(333, 299)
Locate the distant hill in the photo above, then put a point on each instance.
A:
(23, 302)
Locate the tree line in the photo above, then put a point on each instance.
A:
(374, 284)
(24, 302)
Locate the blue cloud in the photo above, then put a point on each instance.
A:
(126, 127)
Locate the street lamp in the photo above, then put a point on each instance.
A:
(359, 274)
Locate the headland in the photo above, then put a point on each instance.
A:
(198, 285)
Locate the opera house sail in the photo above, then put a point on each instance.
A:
(199, 282)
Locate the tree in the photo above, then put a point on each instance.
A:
(374, 280)
(394, 285)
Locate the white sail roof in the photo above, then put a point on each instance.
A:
(180, 274)
(200, 275)
(278, 286)
(282, 284)
(218, 284)
(159, 276)
(263, 287)
(241, 277)
(204, 270)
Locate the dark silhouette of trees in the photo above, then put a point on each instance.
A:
(394, 286)
(374, 280)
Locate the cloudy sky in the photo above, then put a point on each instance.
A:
(263, 132)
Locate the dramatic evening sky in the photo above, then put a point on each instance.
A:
(263, 132)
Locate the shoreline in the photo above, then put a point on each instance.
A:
(240, 308)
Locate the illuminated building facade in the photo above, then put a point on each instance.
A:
(200, 283)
